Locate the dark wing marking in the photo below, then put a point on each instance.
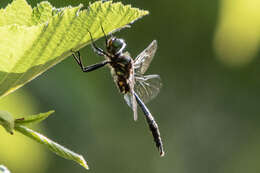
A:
(147, 87)
(143, 60)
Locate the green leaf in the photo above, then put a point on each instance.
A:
(53, 146)
(33, 118)
(7, 121)
(34, 40)
(3, 169)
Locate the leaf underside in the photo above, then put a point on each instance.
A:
(34, 40)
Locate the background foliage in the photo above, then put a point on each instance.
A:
(207, 110)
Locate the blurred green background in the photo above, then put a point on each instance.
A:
(208, 109)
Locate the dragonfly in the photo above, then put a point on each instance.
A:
(128, 75)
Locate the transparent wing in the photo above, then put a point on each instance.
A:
(143, 60)
(130, 98)
(131, 102)
(147, 87)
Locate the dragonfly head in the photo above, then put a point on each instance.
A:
(115, 45)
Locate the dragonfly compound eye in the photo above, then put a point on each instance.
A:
(116, 45)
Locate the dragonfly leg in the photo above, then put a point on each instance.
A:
(152, 125)
(96, 49)
(94, 66)
(104, 33)
(77, 58)
(88, 68)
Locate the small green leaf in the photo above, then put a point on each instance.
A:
(34, 40)
(33, 118)
(53, 146)
(7, 121)
(3, 169)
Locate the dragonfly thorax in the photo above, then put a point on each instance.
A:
(122, 69)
